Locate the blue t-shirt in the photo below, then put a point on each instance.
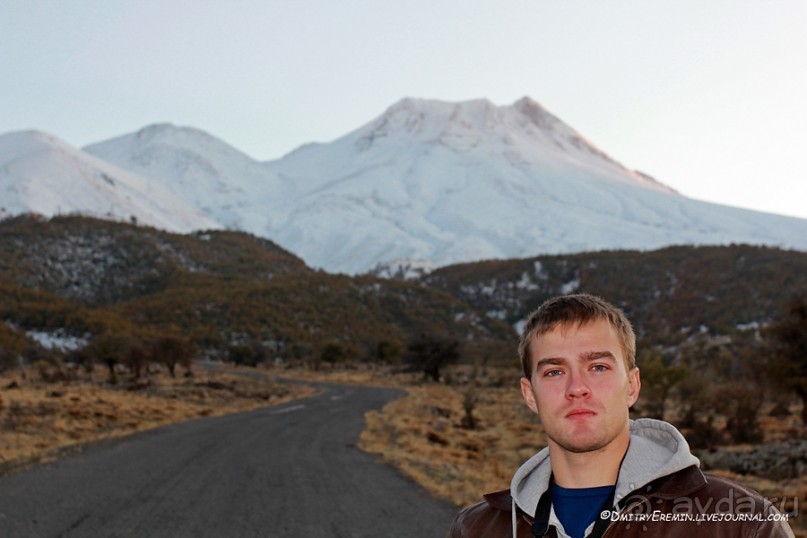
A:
(576, 508)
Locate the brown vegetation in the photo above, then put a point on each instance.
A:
(229, 293)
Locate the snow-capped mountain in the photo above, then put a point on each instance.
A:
(226, 184)
(452, 182)
(425, 184)
(42, 174)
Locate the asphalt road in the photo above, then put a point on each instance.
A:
(286, 471)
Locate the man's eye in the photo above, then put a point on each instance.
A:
(553, 373)
(599, 367)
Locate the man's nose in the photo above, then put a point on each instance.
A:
(577, 387)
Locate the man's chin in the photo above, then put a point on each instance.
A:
(580, 445)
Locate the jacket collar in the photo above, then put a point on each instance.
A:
(682, 483)
(656, 450)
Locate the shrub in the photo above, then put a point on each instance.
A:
(242, 354)
(333, 352)
(429, 353)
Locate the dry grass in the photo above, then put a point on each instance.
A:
(423, 435)
(365, 375)
(39, 420)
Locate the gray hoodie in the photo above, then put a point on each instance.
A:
(656, 449)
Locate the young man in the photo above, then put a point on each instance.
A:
(601, 473)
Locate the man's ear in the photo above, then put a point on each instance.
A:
(634, 386)
(529, 395)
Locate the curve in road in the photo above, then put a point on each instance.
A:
(286, 471)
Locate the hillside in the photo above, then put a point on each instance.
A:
(82, 277)
(100, 262)
(75, 277)
(669, 294)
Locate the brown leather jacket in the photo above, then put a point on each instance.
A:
(684, 504)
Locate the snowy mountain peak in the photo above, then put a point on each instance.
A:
(533, 110)
(216, 177)
(428, 120)
(524, 133)
(435, 117)
(447, 182)
(171, 134)
(20, 144)
(162, 135)
(530, 116)
(41, 173)
(156, 130)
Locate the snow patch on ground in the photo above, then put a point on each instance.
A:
(57, 340)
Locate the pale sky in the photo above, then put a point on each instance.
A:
(707, 96)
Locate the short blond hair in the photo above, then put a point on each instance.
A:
(578, 309)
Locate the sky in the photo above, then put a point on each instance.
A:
(709, 97)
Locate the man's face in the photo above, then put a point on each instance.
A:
(580, 386)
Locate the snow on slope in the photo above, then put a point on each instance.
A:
(453, 182)
(40, 173)
(223, 182)
(427, 183)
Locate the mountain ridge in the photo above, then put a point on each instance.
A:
(217, 177)
(431, 183)
(41, 173)
(423, 177)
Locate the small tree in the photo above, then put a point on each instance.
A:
(172, 350)
(389, 350)
(12, 344)
(110, 349)
(242, 354)
(659, 378)
(429, 353)
(333, 352)
(695, 396)
(8, 359)
(137, 358)
(470, 398)
(787, 338)
(741, 404)
(301, 351)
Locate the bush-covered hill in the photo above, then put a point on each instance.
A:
(86, 277)
(669, 294)
(103, 262)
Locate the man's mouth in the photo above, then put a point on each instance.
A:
(580, 413)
